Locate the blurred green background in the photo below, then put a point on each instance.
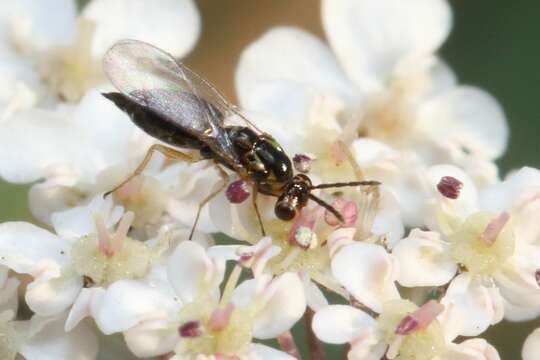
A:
(494, 45)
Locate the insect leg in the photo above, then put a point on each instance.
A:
(256, 207)
(167, 151)
(225, 178)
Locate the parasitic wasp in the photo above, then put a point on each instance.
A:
(173, 104)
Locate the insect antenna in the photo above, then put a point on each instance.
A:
(328, 207)
(345, 184)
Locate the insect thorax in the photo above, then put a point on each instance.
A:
(262, 156)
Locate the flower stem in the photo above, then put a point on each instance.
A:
(287, 344)
(316, 348)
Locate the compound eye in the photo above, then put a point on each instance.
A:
(285, 211)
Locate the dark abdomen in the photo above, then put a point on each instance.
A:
(152, 124)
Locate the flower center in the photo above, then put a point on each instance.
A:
(483, 242)
(71, 71)
(299, 243)
(411, 332)
(104, 258)
(214, 330)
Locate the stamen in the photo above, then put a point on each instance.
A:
(220, 317)
(190, 329)
(122, 230)
(237, 192)
(393, 349)
(420, 319)
(289, 259)
(104, 240)
(347, 209)
(231, 285)
(494, 228)
(369, 203)
(305, 238)
(302, 163)
(450, 187)
(307, 219)
(537, 277)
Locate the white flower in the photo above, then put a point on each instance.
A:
(82, 255)
(80, 151)
(531, 347)
(492, 235)
(313, 243)
(383, 84)
(402, 331)
(46, 41)
(192, 318)
(45, 335)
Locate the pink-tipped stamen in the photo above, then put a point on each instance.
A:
(117, 241)
(494, 228)
(220, 317)
(420, 319)
(347, 209)
(104, 239)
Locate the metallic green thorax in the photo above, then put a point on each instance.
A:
(263, 158)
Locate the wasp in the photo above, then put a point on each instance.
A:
(175, 105)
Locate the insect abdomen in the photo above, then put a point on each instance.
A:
(153, 124)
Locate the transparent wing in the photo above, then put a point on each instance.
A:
(154, 79)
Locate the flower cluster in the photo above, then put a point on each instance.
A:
(435, 248)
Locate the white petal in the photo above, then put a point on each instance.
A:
(238, 220)
(520, 313)
(97, 118)
(190, 270)
(504, 195)
(147, 343)
(9, 297)
(372, 37)
(53, 343)
(454, 209)
(473, 349)
(85, 305)
(268, 353)
(367, 271)
(340, 324)
(470, 307)
(172, 25)
(47, 197)
(287, 58)
(314, 296)
(284, 305)
(531, 347)
(79, 221)
(519, 288)
(28, 249)
(127, 303)
(388, 221)
(185, 182)
(53, 296)
(48, 140)
(469, 118)
(424, 260)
